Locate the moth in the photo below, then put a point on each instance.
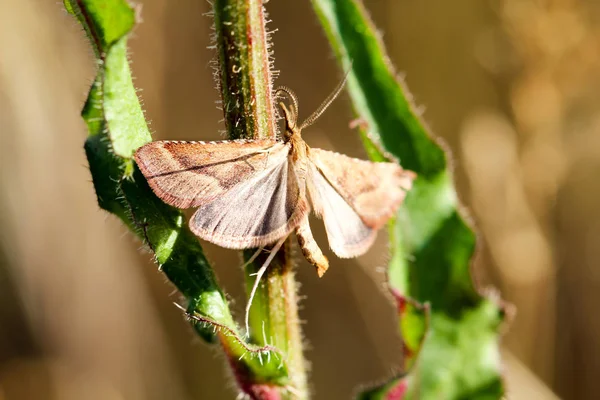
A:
(255, 193)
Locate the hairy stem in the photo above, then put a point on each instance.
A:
(274, 314)
(244, 75)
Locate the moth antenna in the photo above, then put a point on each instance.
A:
(259, 275)
(326, 103)
(294, 106)
(251, 259)
(290, 93)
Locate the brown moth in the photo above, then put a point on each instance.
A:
(254, 193)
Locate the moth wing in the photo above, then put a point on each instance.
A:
(374, 190)
(257, 211)
(189, 174)
(348, 235)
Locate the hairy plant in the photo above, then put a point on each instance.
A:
(449, 331)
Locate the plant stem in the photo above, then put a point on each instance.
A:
(274, 314)
(244, 69)
(244, 76)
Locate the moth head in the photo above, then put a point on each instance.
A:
(291, 113)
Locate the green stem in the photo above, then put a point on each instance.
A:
(245, 81)
(244, 69)
(274, 314)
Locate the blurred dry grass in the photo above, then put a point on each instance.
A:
(510, 84)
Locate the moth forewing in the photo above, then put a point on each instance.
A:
(190, 174)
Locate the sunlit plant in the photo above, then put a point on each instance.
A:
(449, 331)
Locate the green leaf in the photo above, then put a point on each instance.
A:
(413, 321)
(116, 129)
(431, 244)
(105, 22)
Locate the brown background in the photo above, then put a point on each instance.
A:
(511, 85)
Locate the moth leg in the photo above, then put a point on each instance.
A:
(310, 249)
(251, 259)
(268, 151)
(259, 275)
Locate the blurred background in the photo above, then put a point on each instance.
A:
(511, 85)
